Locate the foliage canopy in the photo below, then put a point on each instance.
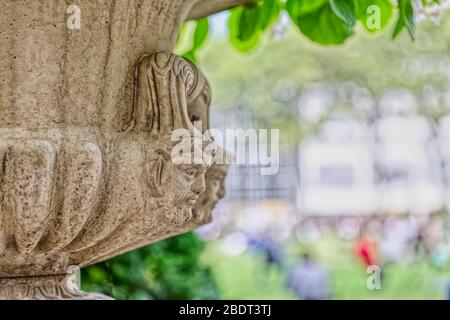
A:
(326, 22)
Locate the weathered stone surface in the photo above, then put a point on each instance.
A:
(54, 287)
(85, 123)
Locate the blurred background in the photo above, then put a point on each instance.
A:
(360, 206)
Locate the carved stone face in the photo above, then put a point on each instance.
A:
(215, 191)
(174, 187)
(148, 192)
(184, 184)
(199, 109)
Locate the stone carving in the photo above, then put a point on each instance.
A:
(85, 137)
(161, 203)
(199, 110)
(50, 185)
(61, 287)
(71, 197)
(199, 212)
(215, 191)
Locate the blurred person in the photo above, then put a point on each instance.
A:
(367, 250)
(269, 249)
(440, 255)
(395, 243)
(420, 246)
(433, 241)
(448, 290)
(309, 280)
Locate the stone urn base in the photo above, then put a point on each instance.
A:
(55, 287)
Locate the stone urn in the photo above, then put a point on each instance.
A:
(86, 116)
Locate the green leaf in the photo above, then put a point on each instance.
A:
(190, 55)
(297, 8)
(398, 27)
(408, 16)
(192, 36)
(323, 26)
(201, 33)
(374, 15)
(245, 46)
(270, 10)
(344, 9)
(405, 18)
(244, 27)
(185, 36)
(248, 22)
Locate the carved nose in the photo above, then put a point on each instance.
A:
(199, 185)
(222, 192)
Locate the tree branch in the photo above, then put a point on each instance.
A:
(206, 8)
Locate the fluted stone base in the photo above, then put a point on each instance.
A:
(55, 287)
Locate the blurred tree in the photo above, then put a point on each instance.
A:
(326, 22)
(170, 269)
(273, 82)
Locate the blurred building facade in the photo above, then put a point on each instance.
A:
(245, 183)
(396, 165)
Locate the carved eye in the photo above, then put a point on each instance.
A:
(195, 118)
(190, 172)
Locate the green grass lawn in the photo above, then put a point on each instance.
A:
(247, 277)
